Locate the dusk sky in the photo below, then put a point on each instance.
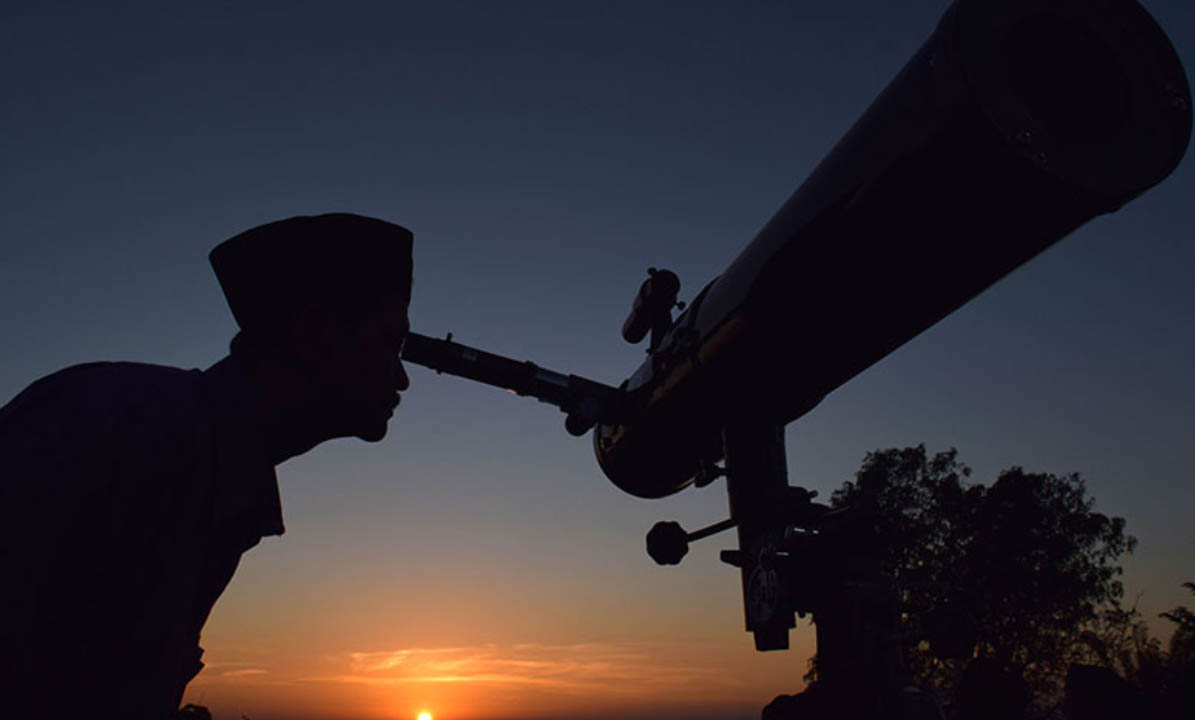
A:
(476, 563)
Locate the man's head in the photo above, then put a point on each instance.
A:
(323, 300)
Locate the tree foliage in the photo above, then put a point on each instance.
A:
(1027, 557)
(1182, 643)
(1178, 681)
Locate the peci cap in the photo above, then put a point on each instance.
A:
(272, 268)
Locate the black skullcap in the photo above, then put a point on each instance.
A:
(334, 258)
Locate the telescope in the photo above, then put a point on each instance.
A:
(1015, 123)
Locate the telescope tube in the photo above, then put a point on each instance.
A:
(1014, 124)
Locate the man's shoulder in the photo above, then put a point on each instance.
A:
(109, 390)
(92, 371)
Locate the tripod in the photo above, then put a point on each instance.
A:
(797, 557)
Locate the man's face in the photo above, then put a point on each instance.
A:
(364, 373)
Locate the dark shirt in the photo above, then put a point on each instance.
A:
(128, 493)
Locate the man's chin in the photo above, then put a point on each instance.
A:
(374, 431)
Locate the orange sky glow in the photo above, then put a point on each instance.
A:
(493, 681)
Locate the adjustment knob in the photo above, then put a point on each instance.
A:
(667, 543)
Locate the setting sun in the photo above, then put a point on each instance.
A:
(424, 716)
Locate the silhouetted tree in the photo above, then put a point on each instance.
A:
(1120, 641)
(1179, 680)
(1182, 643)
(1026, 563)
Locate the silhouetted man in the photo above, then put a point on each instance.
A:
(128, 492)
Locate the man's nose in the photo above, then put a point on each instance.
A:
(402, 382)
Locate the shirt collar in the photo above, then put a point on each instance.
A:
(248, 505)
